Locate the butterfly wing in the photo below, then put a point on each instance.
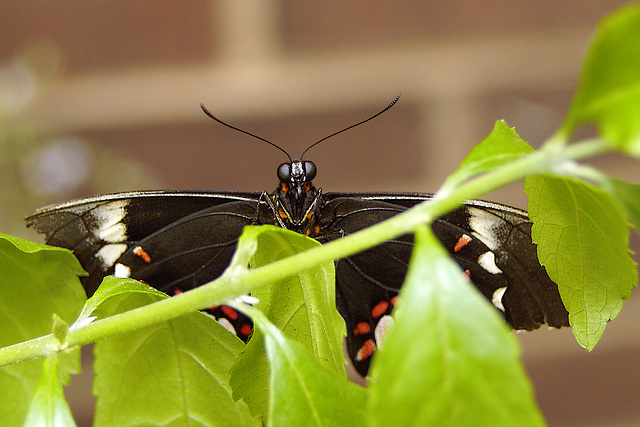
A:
(101, 230)
(190, 251)
(491, 243)
(175, 241)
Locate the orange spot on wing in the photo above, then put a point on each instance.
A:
(365, 352)
(362, 328)
(246, 329)
(229, 312)
(138, 251)
(380, 309)
(462, 242)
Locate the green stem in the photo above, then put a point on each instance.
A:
(242, 281)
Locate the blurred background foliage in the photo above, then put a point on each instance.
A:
(42, 166)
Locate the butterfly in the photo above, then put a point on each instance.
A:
(176, 241)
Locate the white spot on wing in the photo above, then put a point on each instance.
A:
(227, 325)
(382, 328)
(488, 261)
(122, 271)
(108, 218)
(496, 298)
(482, 226)
(109, 254)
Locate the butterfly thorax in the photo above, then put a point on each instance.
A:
(296, 203)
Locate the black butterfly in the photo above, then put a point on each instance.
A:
(179, 240)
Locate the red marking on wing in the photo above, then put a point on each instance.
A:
(379, 309)
(362, 328)
(462, 242)
(246, 329)
(229, 312)
(365, 352)
(138, 251)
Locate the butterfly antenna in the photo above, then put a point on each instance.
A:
(243, 131)
(352, 126)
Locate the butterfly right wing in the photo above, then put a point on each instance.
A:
(491, 243)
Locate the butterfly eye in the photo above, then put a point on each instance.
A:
(309, 170)
(284, 172)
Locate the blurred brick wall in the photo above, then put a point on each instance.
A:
(134, 73)
(294, 72)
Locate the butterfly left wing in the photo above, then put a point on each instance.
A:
(99, 230)
(190, 251)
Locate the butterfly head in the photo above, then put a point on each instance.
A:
(297, 176)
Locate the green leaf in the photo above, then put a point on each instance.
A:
(48, 406)
(110, 287)
(609, 91)
(501, 146)
(303, 307)
(582, 237)
(60, 329)
(174, 372)
(250, 377)
(37, 281)
(302, 391)
(628, 195)
(462, 368)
